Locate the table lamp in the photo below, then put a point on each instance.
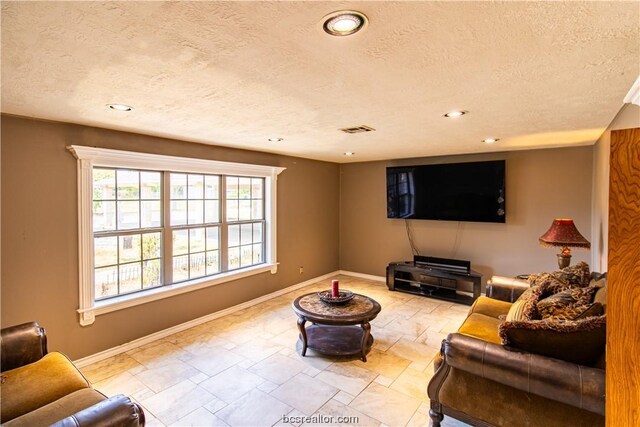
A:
(564, 234)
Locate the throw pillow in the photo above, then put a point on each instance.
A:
(595, 309)
(557, 281)
(567, 304)
(598, 280)
(549, 282)
(601, 296)
(516, 311)
(577, 275)
(525, 306)
(577, 341)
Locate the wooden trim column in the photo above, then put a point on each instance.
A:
(623, 305)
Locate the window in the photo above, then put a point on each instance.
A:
(155, 226)
(127, 211)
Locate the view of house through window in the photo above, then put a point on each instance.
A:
(158, 228)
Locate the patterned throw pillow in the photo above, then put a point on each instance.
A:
(577, 275)
(595, 309)
(516, 311)
(567, 304)
(572, 276)
(549, 282)
(525, 306)
(577, 341)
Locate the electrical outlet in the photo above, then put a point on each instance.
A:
(301, 270)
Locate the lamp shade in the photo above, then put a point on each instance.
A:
(564, 233)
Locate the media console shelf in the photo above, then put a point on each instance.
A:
(435, 283)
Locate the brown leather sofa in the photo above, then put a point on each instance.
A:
(479, 381)
(40, 388)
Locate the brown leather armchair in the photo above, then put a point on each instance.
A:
(487, 384)
(41, 388)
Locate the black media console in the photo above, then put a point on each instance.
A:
(435, 277)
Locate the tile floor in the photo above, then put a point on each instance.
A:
(243, 369)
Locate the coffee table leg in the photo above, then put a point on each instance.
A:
(303, 334)
(366, 331)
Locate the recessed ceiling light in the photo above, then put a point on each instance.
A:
(490, 140)
(275, 139)
(349, 153)
(456, 113)
(344, 22)
(120, 107)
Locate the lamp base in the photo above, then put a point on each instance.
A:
(563, 260)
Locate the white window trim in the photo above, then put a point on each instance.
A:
(89, 157)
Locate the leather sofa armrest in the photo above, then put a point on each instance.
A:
(116, 411)
(569, 383)
(21, 345)
(506, 288)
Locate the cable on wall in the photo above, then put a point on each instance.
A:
(414, 250)
(456, 241)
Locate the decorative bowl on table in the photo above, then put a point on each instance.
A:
(343, 297)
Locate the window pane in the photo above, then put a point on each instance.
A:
(212, 238)
(196, 212)
(128, 215)
(151, 185)
(104, 216)
(234, 258)
(246, 233)
(151, 273)
(257, 253)
(232, 210)
(213, 263)
(256, 209)
(130, 277)
(196, 186)
(244, 188)
(232, 187)
(211, 187)
(257, 232)
(128, 184)
(104, 184)
(106, 281)
(245, 210)
(178, 212)
(211, 211)
(196, 240)
(256, 188)
(151, 245)
(151, 213)
(105, 251)
(129, 248)
(246, 256)
(178, 182)
(180, 268)
(180, 242)
(197, 265)
(234, 235)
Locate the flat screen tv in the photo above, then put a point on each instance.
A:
(450, 192)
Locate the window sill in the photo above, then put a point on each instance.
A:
(87, 315)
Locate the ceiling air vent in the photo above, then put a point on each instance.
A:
(358, 129)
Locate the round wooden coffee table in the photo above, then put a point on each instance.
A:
(334, 329)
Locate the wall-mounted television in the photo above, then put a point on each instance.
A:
(451, 192)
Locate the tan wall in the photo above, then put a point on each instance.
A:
(628, 117)
(40, 239)
(541, 185)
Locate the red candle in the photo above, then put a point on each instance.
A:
(335, 293)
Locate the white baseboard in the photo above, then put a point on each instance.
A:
(85, 361)
(363, 276)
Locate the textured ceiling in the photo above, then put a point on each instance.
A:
(534, 74)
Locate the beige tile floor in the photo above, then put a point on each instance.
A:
(243, 369)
